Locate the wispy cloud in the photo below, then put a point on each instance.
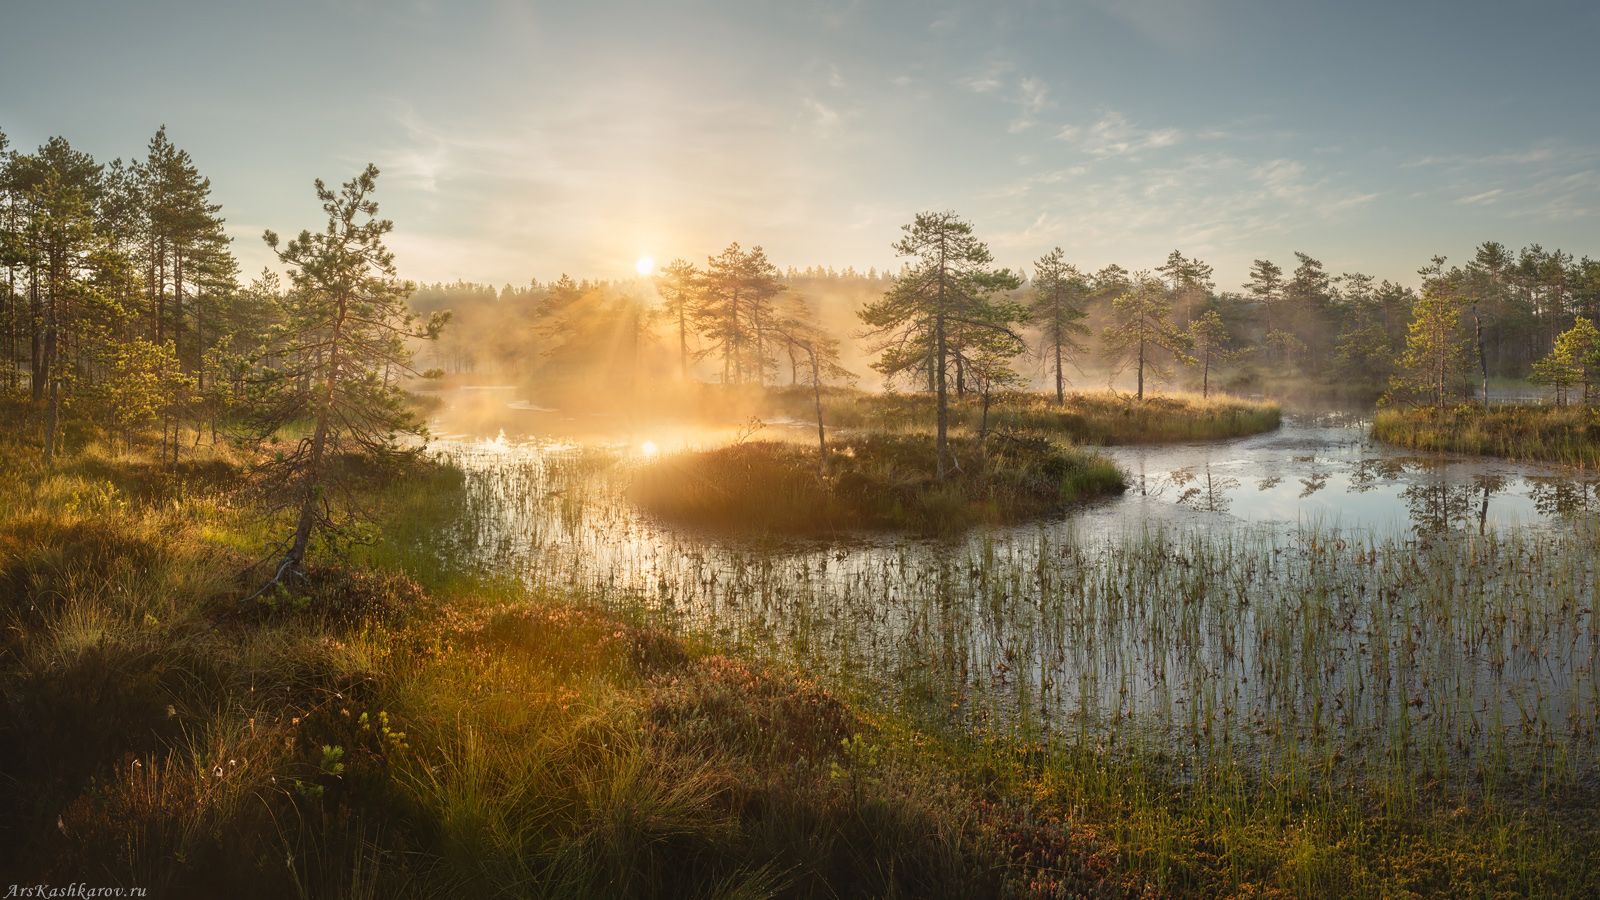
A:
(992, 77)
(1114, 135)
(1221, 206)
(825, 117)
(1535, 155)
(582, 186)
(1032, 98)
(1480, 199)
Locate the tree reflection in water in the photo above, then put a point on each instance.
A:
(1200, 489)
(1436, 502)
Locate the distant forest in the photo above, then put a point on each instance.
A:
(1294, 329)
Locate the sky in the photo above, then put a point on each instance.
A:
(526, 139)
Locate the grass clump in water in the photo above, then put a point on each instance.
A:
(872, 481)
(1561, 434)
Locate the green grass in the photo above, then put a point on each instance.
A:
(1561, 434)
(1097, 417)
(874, 480)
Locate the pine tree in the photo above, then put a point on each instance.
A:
(1574, 360)
(1308, 313)
(1190, 283)
(347, 326)
(12, 313)
(738, 290)
(186, 248)
(1060, 295)
(1436, 349)
(62, 193)
(946, 300)
(144, 386)
(678, 285)
(798, 328)
(1141, 324)
(1208, 341)
(1265, 288)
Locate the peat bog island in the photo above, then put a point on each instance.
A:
(816, 449)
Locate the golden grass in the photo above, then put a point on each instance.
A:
(1092, 417)
(1562, 434)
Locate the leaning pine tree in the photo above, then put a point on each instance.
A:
(335, 362)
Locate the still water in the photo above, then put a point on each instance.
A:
(1317, 471)
(1305, 591)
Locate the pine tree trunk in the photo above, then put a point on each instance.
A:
(1061, 385)
(942, 444)
(50, 364)
(52, 420)
(683, 343)
(177, 312)
(295, 559)
(1141, 369)
(1483, 360)
(36, 339)
(816, 396)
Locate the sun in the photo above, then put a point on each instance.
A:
(645, 265)
(648, 448)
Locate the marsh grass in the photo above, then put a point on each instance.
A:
(1305, 711)
(873, 481)
(1562, 434)
(519, 688)
(1088, 417)
(406, 724)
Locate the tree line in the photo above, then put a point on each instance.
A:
(122, 306)
(122, 313)
(1300, 328)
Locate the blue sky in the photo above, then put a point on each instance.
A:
(526, 139)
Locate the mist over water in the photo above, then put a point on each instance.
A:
(1317, 470)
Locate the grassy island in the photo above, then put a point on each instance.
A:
(1090, 417)
(1559, 434)
(872, 481)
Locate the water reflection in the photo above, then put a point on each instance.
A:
(1560, 496)
(1330, 474)
(1315, 469)
(1198, 608)
(1205, 491)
